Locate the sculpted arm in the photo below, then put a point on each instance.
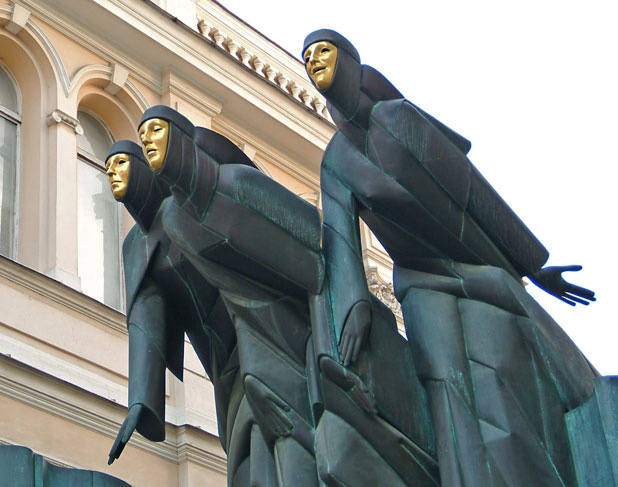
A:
(147, 351)
(349, 294)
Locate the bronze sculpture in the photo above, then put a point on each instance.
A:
(258, 245)
(165, 298)
(313, 383)
(459, 254)
(21, 467)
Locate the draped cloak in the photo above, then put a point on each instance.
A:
(499, 372)
(167, 298)
(260, 245)
(217, 223)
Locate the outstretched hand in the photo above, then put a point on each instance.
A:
(550, 280)
(355, 332)
(126, 430)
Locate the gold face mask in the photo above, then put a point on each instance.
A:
(154, 135)
(117, 170)
(320, 62)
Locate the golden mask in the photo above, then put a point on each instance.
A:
(117, 170)
(320, 62)
(154, 135)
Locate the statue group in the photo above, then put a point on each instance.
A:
(313, 383)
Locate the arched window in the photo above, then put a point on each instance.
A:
(98, 218)
(10, 121)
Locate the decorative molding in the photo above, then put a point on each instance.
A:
(178, 42)
(176, 452)
(106, 72)
(250, 152)
(19, 17)
(230, 45)
(60, 368)
(271, 74)
(89, 42)
(188, 452)
(306, 97)
(278, 159)
(43, 40)
(257, 64)
(294, 90)
(282, 81)
(90, 71)
(80, 416)
(384, 291)
(120, 75)
(61, 294)
(373, 254)
(245, 57)
(174, 84)
(263, 67)
(312, 197)
(58, 116)
(61, 71)
(137, 95)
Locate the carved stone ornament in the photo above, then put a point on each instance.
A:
(384, 291)
(58, 116)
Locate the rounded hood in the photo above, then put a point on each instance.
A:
(177, 169)
(144, 196)
(343, 93)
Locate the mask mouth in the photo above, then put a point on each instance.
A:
(317, 69)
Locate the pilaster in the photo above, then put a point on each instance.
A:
(62, 204)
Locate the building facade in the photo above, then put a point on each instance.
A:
(74, 77)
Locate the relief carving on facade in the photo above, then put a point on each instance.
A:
(384, 291)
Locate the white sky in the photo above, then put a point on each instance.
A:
(533, 85)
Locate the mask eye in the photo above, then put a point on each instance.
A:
(326, 49)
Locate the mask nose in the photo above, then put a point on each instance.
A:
(144, 137)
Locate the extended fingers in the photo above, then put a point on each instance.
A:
(364, 399)
(575, 298)
(116, 450)
(355, 349)
(570, 268)
(563, 299)
(280, 424)
(581, 291)
(344, 347)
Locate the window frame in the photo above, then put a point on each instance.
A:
(85, 157)
(16, 119)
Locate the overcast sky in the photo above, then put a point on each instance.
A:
(533, 85)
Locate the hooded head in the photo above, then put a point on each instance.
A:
(167, 143)
(128, 170)
(343, 90)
